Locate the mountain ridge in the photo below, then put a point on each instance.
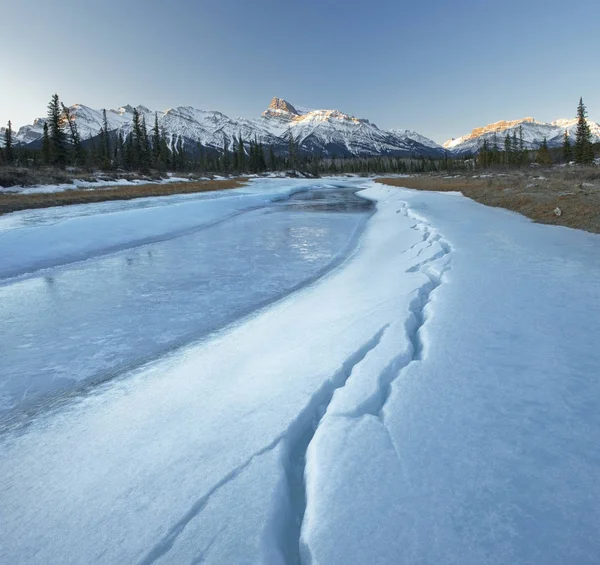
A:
(330, 133)
(534, 133)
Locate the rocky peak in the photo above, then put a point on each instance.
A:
(280, 108)
(500, 126)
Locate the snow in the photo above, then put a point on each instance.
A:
(432, 399)
(534, 133)
(320, 130)
(81, 184)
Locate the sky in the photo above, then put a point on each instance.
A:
(440, 68)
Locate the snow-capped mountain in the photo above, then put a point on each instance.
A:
(323, 132)
(534, 133)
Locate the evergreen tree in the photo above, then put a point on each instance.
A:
(225, 163)
(583, 151)
(165, 152)
(105, 155)
(241, 155)
(119, 153)
(495, 156)
(272, 159)
(483, 159)
(78, 154)
(46, 145)
(146, 152)
(543, 155)
(156, 153)
(137, 140)
(567, 150)
(8, 144)
(58, 138)
(515, 148)
(521, 146)
(292, 151)
(508, 159)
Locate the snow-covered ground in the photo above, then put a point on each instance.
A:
(432, 399)
(78, 184)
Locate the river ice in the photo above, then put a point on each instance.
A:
(431, 398)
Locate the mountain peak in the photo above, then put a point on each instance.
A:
(280, 108)
(283, 105)
(533, 133)
(496, 127)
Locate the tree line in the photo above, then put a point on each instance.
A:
(514, 154)
(144, 149)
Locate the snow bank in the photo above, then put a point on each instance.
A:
(88, 185)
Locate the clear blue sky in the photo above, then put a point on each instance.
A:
(438, 67)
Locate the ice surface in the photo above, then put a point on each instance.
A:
(121, 309)
(32, 240)
(433, 399)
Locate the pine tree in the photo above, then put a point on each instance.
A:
(292, 150)
(543, 155)
(156, 160)
(119, 154)
(105, 142)
(58, 138)
(521, 146)
(484, 156)
(165, 152)
(137, 140)
(146, 151)
(78, 154)
(8, 144)
(241, 155)
(272, 159)
(46, 145)
(508, 159)
(225, 164)
(583, 151)
(567, 150)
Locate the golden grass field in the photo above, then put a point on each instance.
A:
(535, 194)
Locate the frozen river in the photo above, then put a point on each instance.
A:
(303, 380)
(90, 320)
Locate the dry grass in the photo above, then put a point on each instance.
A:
(535, 194)
(11, 202)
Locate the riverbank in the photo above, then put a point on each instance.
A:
(14, 201)
(567, 197)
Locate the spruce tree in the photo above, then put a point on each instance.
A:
(146, 151)
(165, 152)
(583, 151)
(119, 151)
(292, 150)
(137, 139)
(8, 144)
(241, 155)
(483, 159)
(58, 138)
(543, 155)
(567, 150)
(156, 160)
(46, 145)
(105, 142)
(78, 154)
